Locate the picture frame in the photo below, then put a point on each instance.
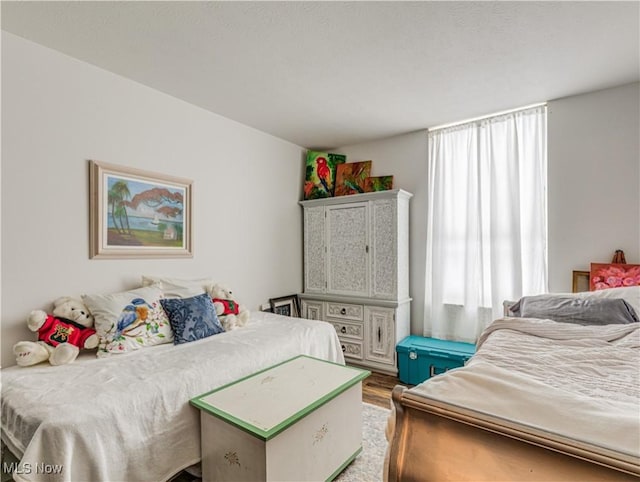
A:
(138, 214)
(286, 306)
(580, 281)
(351, 176)
(320, 174)
(613, 275)
(378, 183)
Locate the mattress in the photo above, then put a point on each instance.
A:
(127, 417)
(580, 382)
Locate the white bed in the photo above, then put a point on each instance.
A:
(128, 417)
(554, 377)
(540, 400)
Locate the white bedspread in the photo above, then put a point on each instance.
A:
(128, 417)
(578, 381)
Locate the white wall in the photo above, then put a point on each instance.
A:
(593, 191)
(404, 157)
(58, 112)
(594, 180)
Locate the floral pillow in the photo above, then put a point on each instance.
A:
(129, 320)
(192, 318)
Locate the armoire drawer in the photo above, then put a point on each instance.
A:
(351, 349)
(348, 329)
(345, 311)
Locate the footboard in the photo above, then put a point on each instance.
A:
(435, 441)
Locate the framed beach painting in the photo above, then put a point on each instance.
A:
(138, 214)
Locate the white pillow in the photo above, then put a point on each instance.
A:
(129, 320)
(178, 288)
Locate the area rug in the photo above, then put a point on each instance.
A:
(367, 467)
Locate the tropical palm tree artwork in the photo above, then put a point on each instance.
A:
(350, 177)
(144, 214)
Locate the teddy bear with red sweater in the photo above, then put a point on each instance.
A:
(61, 334)
(230, 313)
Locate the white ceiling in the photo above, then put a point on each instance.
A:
(329, 74)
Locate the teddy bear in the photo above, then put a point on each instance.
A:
(61, 334)
(229, 311)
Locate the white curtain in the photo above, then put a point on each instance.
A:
(487, 220)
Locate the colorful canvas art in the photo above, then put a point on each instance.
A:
(380, 183)
(321, 174)
(350, 177)
(610, 275)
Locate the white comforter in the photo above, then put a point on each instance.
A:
(578, 381)
(128, 417)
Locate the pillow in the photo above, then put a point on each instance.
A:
(570, 309)
(192, 318)
(631, 294)
(178, 288)
(129, 320)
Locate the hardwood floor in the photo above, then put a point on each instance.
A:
(377, 388)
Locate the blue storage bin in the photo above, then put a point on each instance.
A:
(420, 358)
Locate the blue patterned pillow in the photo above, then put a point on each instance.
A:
(192, 318)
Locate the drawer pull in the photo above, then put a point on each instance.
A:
(379, 334)
(343, 311)
(343, 329)
(344, 348)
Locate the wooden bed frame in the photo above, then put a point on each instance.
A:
(435, 441)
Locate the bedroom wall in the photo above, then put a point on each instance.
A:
(594, 180)
(593, 194)
(58, 112)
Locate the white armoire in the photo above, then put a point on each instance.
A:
(356, 273)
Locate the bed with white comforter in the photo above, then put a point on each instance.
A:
(128, 417)
(582, 382)
(540, 400)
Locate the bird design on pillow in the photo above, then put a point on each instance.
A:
(133, 315)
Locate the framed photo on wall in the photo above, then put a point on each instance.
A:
(286, 306)
(138, 214)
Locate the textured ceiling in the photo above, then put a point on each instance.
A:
(329, 74)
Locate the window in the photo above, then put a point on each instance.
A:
(486, 232)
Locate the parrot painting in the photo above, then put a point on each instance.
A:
(320, 173)
(323, 172)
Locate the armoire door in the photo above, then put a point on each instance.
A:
(384, 249)
(348, 249)
(314, 250)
